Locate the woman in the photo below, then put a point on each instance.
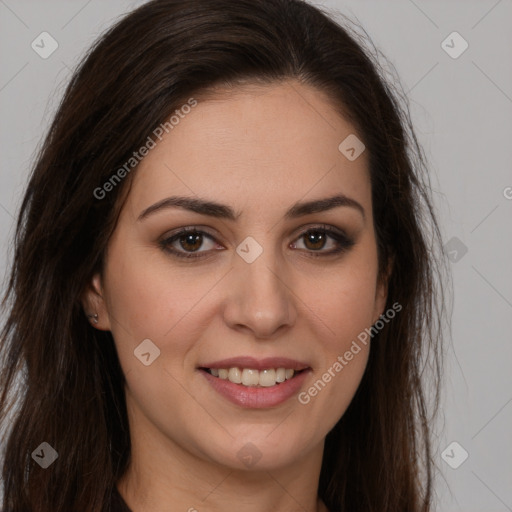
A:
(223, 290)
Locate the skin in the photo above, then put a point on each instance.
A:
(259, 149)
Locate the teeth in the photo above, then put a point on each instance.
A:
(235, 375)
(267, 378)
(249, 377)
(280, 375)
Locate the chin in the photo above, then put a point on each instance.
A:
(264, 452)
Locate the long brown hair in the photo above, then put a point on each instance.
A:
(65, 375)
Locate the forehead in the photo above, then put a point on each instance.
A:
(266, 144)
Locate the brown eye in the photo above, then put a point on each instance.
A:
(316, 239)
(189, 240)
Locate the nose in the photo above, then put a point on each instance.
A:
(260, 301)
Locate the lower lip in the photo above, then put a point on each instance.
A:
(257, 397)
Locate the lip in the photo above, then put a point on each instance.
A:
(257, 364)
(256, 397)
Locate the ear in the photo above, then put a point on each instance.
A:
(381, 293)
(94, 305)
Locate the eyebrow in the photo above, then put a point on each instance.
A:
(221, 211)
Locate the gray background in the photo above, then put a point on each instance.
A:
(462, 111)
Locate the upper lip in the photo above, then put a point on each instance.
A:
(258, 364)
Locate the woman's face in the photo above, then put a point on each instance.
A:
(267, 290)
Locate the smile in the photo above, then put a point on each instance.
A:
(256, 383)
(253, 378)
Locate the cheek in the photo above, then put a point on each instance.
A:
(151, 298)
(352, 307)
(345, 305)
(345, 299)
(346, 310)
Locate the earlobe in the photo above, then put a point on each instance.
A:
(380, 300)
(94, 304)
(381, 295)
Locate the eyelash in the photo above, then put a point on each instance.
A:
(344, 243)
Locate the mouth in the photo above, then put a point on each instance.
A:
(256, 383)
(251, 377)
